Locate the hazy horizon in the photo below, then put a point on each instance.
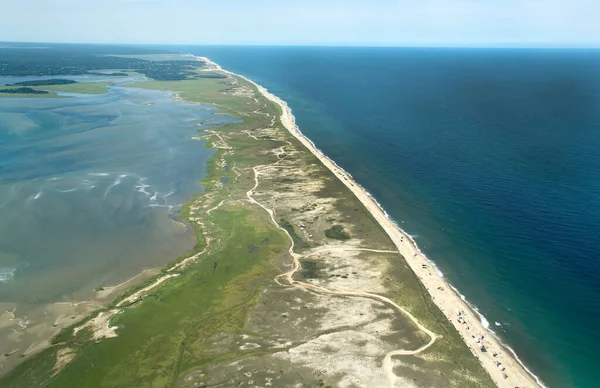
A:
(380, 23)
(160, 45)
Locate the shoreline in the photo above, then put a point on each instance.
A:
(447, 298)
(46, 321)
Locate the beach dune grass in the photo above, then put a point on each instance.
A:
(298, 241)
(164, 337)
(156, 336)
(80, 87)
(42, 82)
(337, 232)
(409, 292)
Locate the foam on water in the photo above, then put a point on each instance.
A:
(7, 274)
(155, 198)
(55, 196)
(485, 323)
(116, 182)
(448, 169)
(141, 187)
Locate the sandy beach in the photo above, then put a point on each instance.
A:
(502, 364)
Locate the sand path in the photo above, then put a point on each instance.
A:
(449, 302)
(388, 365)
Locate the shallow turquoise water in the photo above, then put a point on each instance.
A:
(90, 188)
(488, 157)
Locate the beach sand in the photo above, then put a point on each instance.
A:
(514, 373)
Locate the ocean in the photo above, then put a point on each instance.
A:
(90, 190)
(487, 157)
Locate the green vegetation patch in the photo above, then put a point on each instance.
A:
(22, 91)
(61, 60)
(211, 75)
(162, 337)
(165, 335)
(81, 87)
(210, 91)
(43, 82)
(182, 325)
(49, 90)
(337, 232)
(310, 269)
(298, 241)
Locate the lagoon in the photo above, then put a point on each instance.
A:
(90, 189)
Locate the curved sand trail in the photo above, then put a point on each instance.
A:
(387, 361)
(388, 366)
(443, 296)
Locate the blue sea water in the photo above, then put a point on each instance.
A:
(489, 158)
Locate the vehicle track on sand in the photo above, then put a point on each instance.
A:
(388, 365)
(387, 361)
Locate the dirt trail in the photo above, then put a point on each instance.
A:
(387, 361)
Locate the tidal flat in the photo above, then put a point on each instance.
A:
(252, 303)
(90, 191)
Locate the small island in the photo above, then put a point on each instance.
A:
(48, 88)
(44, 82)
(23, 91)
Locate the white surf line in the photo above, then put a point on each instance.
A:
(115, 183)
(387, 362)
(521, 375)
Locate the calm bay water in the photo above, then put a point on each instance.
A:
(90, 188)
(488, 157)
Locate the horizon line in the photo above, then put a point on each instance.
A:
(432, 46)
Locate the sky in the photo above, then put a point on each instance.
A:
(480, 23)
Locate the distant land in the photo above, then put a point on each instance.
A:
(43, 82)
(297, 276)
(23, 91)
(60, 60)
